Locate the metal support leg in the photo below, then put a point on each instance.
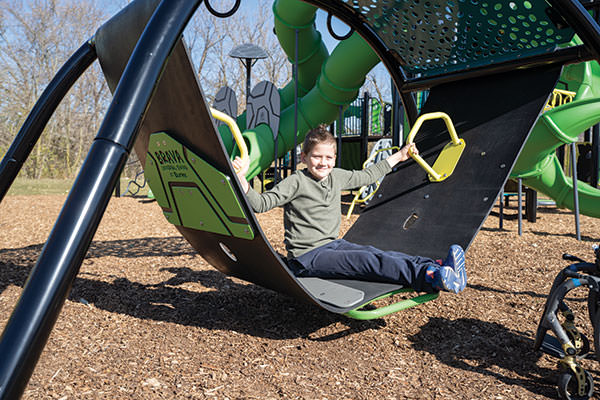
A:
(38, 118)
(340, 131)
(293, 154)
(501, 210)
(575, 191)
(595, 155)
(520, 206)
(29, 326)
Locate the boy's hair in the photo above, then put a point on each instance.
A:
(318, 135)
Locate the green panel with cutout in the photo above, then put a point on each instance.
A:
(191, 192)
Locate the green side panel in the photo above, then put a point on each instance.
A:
(375, 117)
(191, 192)
(189, 201)
(219, 184)
(157, 187)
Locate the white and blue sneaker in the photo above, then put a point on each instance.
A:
(452, 275)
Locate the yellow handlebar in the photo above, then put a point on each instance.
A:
(433, 115)
(237, 135)
(357, 198)
(457, 144)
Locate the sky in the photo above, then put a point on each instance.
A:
(248, 6)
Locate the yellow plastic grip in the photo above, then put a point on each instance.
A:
(357, 198)
(235, 130)
(453, 149)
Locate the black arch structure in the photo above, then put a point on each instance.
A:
(130, 115)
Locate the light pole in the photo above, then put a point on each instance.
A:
(248, 54)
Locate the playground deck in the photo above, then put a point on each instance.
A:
(149, 318)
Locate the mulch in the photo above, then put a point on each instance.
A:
(148, 318)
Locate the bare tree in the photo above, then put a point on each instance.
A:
(211, 39)
(36, 38)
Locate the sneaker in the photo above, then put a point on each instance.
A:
(452, 273)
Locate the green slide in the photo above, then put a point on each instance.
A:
(538, 165)
(325, 82)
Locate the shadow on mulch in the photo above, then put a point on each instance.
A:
(17, 263)
(244, 308)
(482, 347)
(488, 349)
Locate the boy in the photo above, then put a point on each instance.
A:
(312, 217)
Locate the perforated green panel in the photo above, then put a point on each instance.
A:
(434, 36)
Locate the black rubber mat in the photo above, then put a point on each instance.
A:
(494, 116)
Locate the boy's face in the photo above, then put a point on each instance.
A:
(320, 160)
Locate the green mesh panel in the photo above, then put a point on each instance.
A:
(434, 36)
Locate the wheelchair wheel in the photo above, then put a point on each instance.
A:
(585, 343)
(567, 386)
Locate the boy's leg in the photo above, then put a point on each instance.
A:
(343, 259)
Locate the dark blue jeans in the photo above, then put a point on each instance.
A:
(341, 259)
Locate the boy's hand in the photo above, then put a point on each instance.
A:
(406, 151)
(403, 154)
(241, 169)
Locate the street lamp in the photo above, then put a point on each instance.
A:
(248, 54)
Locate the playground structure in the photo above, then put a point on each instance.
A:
(460, 51)
(538, 164)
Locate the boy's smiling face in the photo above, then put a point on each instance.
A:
(320, 160)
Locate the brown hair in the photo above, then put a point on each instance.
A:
(318, 135)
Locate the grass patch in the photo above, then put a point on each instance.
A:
(24, 187)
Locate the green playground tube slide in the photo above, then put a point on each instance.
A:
(328, 82)
(325, 83)
(538, 165)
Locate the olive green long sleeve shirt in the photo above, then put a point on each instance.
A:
(312, 209)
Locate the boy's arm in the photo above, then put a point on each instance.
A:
(375, 172)
(402, 154)
(282, 193)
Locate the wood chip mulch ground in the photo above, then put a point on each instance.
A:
(148, 318)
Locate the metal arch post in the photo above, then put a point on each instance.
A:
(520, 206)
(575, 190)
(296, 41)
(29, 326)
(582, 23)
(36, 121)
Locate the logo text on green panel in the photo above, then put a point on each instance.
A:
(191, 192)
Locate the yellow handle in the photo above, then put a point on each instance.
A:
(357, 198)
(372, 156)
(235, 130)
(411, 136)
